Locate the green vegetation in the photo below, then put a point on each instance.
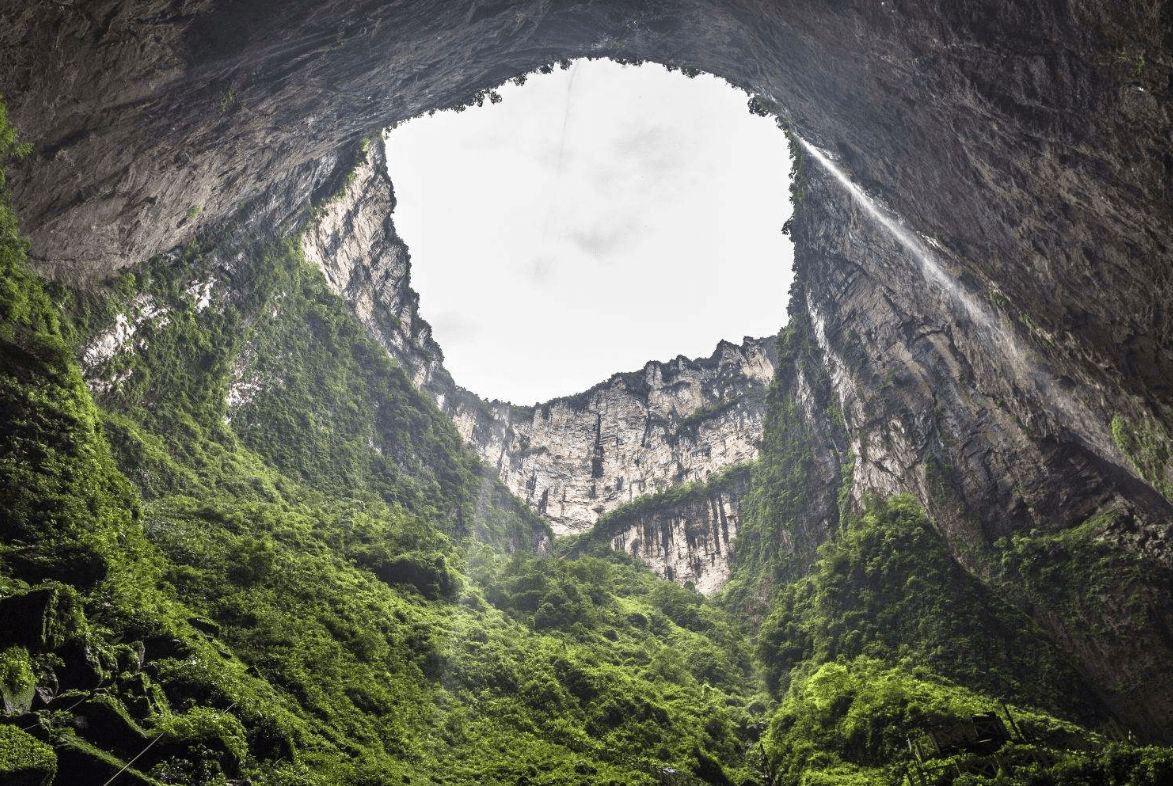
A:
(261, 556)
(889, 587)
(313, 585)
(25, 759)
(1149, 449)
(997, 300)
(778, 532)
(851, 722)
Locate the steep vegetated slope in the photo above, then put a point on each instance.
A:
(962, 495)
(265, 556)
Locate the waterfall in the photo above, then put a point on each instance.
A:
(1028, 373)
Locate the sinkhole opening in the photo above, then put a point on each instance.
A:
(600, 216)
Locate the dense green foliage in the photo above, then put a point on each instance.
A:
(889, 587)
(326, 406)
(262, 556)
(778, 534)
(851, 722)
(314, 585)
(1149, 449)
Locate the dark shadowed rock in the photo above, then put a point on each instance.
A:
(1019, 382)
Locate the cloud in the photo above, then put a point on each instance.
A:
(539, 270)
(613, 261)
(604, 241)
(453, 326)
(653, 150)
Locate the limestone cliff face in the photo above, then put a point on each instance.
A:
(578, 459)
(354, 243)
(690, 540)
(572, 459)
(688, 545)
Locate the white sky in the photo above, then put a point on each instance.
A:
(596, 219)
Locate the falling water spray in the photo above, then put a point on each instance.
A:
(930, 267)
(1028, 374)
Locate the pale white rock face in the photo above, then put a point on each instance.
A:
(246, 381)
(691, 542)
(110, 341)
(201, 292)
(364, 262)
(118, 338)
(573, 459)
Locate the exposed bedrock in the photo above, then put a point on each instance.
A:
(1033, 137)
(1029, 140)
(949, 392)
(688, 541)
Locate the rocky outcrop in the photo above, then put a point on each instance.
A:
(573, 459)
(688, 537)
(1022, 381)
(353, 241)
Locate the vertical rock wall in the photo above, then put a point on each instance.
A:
(950, 392)
(688, 541)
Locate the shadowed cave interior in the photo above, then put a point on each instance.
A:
(253, 532)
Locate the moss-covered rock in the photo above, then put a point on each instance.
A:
(17, 681)
(80, 763)
(25, 760)
(42, 618)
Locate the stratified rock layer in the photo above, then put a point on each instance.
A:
(689, 542)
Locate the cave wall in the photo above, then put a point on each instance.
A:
(1029, 140)
(963, 402)
(1033, 137)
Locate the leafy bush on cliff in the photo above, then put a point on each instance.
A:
(850, 721)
